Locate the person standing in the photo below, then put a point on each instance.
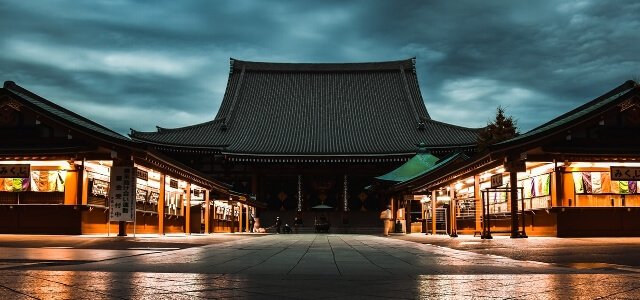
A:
(296, 224)
(278, 224)
(252, 222)
(386, 219)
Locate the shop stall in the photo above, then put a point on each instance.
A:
(56, 176)
(576, 175)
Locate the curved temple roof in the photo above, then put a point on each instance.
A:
(318, 109)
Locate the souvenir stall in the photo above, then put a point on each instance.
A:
(37, 196)
(573, 176)
(57, 176)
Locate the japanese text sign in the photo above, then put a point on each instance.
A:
(15, 171)
(625, 173)
(122, 194)
(496, 180)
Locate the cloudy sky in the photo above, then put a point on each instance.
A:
(138, 64)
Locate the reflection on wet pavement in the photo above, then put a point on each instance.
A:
(324, 266)
(124, 285)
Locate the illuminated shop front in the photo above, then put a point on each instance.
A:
(156, 193)
(230, 214)
(576, 175)
(57, 171)
(33, 193)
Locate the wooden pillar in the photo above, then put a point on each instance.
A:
(240, 218)
(246, 218)
(207, 212)
(161, 200)
(215, 224)
(424, 220)
(233, 216)
(407, 213)
(513, 184)
(187, 211)
(82, 184)
(433, 212)
(477, 195)
(453, 209)
(85, 184)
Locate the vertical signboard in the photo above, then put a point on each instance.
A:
(496, 180)
(122, 195)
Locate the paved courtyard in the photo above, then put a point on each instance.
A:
(309, 266)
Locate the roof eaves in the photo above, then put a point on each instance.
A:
(61, 114)
(564, 119)
(438, 166)
(293, 155)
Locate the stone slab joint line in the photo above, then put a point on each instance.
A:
(333, 254)
(303, 255)
(365, 256)
(251, 253)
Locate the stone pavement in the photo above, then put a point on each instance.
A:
(303, 266)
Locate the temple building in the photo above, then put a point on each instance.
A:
(330, 142)
(305, 135)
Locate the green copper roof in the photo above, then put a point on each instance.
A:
(417, 165)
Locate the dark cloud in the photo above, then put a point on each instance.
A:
(166, 63)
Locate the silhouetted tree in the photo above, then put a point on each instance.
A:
(501, 129)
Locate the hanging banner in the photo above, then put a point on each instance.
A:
(122, 194)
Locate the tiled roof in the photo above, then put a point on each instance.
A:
(46, 106)
(318, 109)
(576, 114)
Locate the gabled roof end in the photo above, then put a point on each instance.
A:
(9, 84)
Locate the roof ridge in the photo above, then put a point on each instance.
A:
(323, 67)
(575, 114)
(234, 100)
(629, 84)
(17, 89)
(163, 129)
(451, 125)
(406, 89)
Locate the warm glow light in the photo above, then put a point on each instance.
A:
(63, 164)
(543, 169)
(604, 164)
